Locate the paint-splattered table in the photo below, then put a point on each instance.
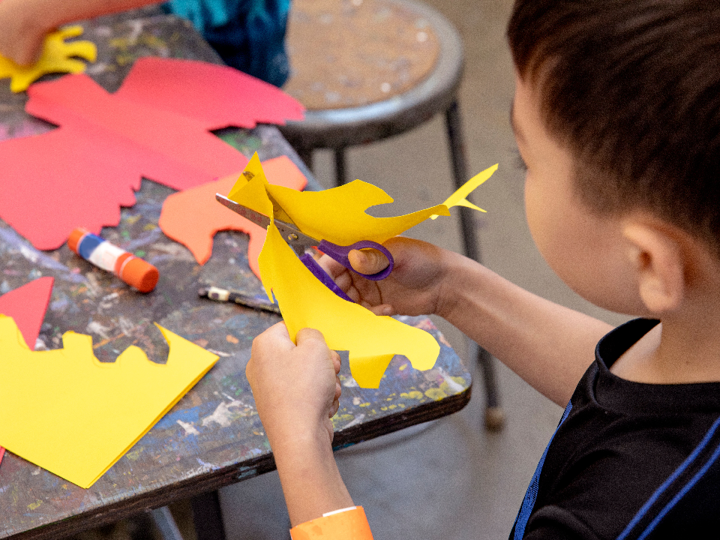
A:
(213, 436)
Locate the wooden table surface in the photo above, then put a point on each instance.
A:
(213, 436)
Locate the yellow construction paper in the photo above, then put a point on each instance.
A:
(56, 57)
(339, 216)
(305, 302)
(75, 416)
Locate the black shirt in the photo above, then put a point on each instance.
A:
(628, 460)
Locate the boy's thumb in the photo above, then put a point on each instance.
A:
(368, 261)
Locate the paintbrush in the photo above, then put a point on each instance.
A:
(223, 295)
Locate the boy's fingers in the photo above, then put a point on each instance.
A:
(337, 362)
(308, 335)
(278, 335)
(344, 280)
(382, 309)
(338, 389)
(278, 330)
(368, 261)
(274, 339)
(331, 266)
(334, 408)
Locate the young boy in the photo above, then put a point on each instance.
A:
(617, 117)
(249, 35)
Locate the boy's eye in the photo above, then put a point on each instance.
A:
(519, 161)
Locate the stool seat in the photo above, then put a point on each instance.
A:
(384, 114)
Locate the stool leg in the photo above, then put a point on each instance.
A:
(494, 417)
(339, 166)
(207, 516)
(165, 523)
(306, 154)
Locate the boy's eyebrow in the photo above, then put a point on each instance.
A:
(518, 134)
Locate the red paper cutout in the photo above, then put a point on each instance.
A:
(192, 217)
(156, 126)
(27, 306)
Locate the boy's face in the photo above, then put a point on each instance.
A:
(586, 250)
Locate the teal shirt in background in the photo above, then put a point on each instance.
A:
(249, 35)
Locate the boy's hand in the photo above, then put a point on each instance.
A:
(412, 288)
(296, 387)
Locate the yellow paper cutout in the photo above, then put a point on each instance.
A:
(339, 216)
(336, 215)
(56, 57)
(459, 198)
(75, 416)
(306, 303)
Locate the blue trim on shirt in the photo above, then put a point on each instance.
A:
(681, 493)
(532, 490)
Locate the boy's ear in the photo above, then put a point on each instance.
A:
(659, 264)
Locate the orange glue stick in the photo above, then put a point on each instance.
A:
(132, 270)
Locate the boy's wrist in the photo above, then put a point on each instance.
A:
(300, 440)
(309, 476)
(450, 288)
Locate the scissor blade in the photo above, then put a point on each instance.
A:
(299, 241)
(244, 211)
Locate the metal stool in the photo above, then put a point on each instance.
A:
(369, 69)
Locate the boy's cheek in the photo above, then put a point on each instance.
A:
(541, 216)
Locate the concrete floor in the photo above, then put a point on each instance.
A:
(449, 479)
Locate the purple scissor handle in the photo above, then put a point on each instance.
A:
(323, 276)
(340, 254)
(301, 242)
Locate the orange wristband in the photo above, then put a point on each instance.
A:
(347, 524)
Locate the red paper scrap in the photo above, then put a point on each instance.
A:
(27, 306)
(192, 217)
(156, 126)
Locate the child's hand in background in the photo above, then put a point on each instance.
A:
(21, 34)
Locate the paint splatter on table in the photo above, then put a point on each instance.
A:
(213, 436)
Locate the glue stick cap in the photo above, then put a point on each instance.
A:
(139, 274)
(75, 237)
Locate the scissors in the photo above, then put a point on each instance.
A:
(301, 243)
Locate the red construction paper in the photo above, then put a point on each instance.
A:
(245, 100)
(192, 217)
(27, 306)
(156, 126)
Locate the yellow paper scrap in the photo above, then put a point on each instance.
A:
(459, 198)
(75, 416)
(339, 215)
(306, 303)
(57, 57)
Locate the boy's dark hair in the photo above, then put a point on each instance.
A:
(632, 89)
